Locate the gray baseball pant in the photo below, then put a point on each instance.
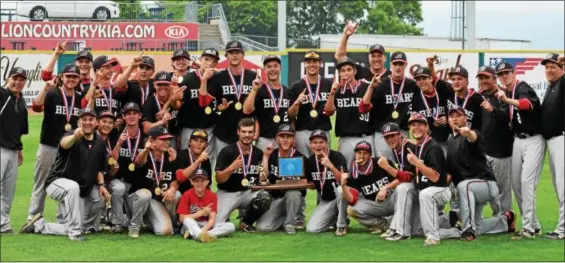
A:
(370, 213)
(118, 190)
(138, 202)
(328, 213)
(431, 200)
(527, 163)
(64, 191)
(44, 159)
(229, 201)
(8, 177)
(406, 197)
(502, 168)
(195, 228)
(161, 215)
(282, 212)
(185, 138)
(556, 157)
(303, 141)
(262, 142)
(346, 146)
(92, 207)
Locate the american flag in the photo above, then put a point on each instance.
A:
(521, 65)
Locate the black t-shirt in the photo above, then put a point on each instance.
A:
(303, 119)
(152, 107)
(265, 110)
(526, 121)
(110, 100)
(436, 108)
(466, 160)
(136, 93)
(553, 109)
(147, 175)
(371, 183)
(315, 170)
(80, 163)
(184, 161)
(383, 103)
(433, 157)
(473, 107)
(55, 116)
(13, 111)
(349, 121)
(274, 171)
(366, 74)
(191, 115)
(401, 157)
(497, 137)
(125, 158)
(226, 158)
(222, 87)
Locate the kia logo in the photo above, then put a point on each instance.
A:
(176, 32)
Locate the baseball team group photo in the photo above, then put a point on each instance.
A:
(228, 154)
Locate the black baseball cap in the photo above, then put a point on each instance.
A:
(17, 71)
(211, 52)
(377, 47)
(160, 132)
(270, 58)
(70, 69)
(363, 146)
(148, 61)
(200, 173)
(199, 134)
(459, 70)
(86, 112)
(390, 128)
(318, 134)
(131, 106)
(163, 77)
(459, 109)
(398, 57)
(106, 114)
(551, 57)
(84, 54)
(102, 61)
(417, 117)
(180, 53)
(234, 45)
(312, 55)
(422, 72)
(346, 61)
(503, 67)
(486, 71)
(286, 129)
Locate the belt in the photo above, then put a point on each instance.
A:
(525, 135)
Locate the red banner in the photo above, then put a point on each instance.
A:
(96, 35)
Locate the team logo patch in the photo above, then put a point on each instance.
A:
(399, 55)
(420, 70)
(234, 44)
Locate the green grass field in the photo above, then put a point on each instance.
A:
(358, 245)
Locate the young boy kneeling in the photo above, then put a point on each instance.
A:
(197, 211)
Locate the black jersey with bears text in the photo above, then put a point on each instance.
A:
(55, 115)
(324, 180)
(227, 156)
(303, 120)
(349, 122)
(156, 173)
(383, 103)
(194, 116)
(265, 110)
(150, 109)
(370, 183)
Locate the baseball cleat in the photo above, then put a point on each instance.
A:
(204, 237)
(290, 229)
(431, 242)
(554, 235)
(29, 226)
(77, 238)
(7, 232)
(89, 231)
(133, 233)
(388, 233)
(341, 231)
(116, 229)
(299, 226)
(468, 235)
(397, 237)
(511, 221)
(247, 228)
(537, 231)
(524, 233)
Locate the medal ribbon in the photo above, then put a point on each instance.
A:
(108, 98)
(245, 166)
(192, 158)
(272, 95)
(313, 99)
(511, 110)
(107, 142)
(353, 90)
(426, 140)
(401, 159)
(144, 93)
(436, 115)
(238, 91)
(157, 173)
(322, 174)
(357, 171)
(69, 112)
(292, 151)
(456, 99)
(395, 102)
(133, 153)
(198, 74)
(157, 102)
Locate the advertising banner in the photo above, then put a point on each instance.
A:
(33, 64)
(296, 67)
(444, 63)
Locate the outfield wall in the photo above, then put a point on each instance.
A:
(526, 63)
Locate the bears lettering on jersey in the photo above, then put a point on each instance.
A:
(62, 110)
(230, 90)
(405, 98)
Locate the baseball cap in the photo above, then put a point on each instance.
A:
(398, 57)
(148, 61)
(390, 128)
(102, 61)
(363, 146)
(84, 54)
(163, 77)
(212, 52)
(312, 54)
(377, 47)
(234, 45)
(503, 67)
(70, 69)
(286, 129)
(130, 106)
(346, 61)
(160, 132)
(417, 117)
(17, 71)
(486, 71)
(318, 134)
(106, 113)
(200, 173)
(180, 53)
(199, 134)
(551, 57)
(270, 58)
(456, 109)
(422, 72)
(87, 111)
(459, 70)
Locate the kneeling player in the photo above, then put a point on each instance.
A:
(197, 211)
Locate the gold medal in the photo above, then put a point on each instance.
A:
(157, 191)
(245, 182)
(111, 161)
(313, 113)
(68, 127)
(276, 118)
(180, 79)
(131, 167)
(395, 114)
(238, 106)
(208, 110)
